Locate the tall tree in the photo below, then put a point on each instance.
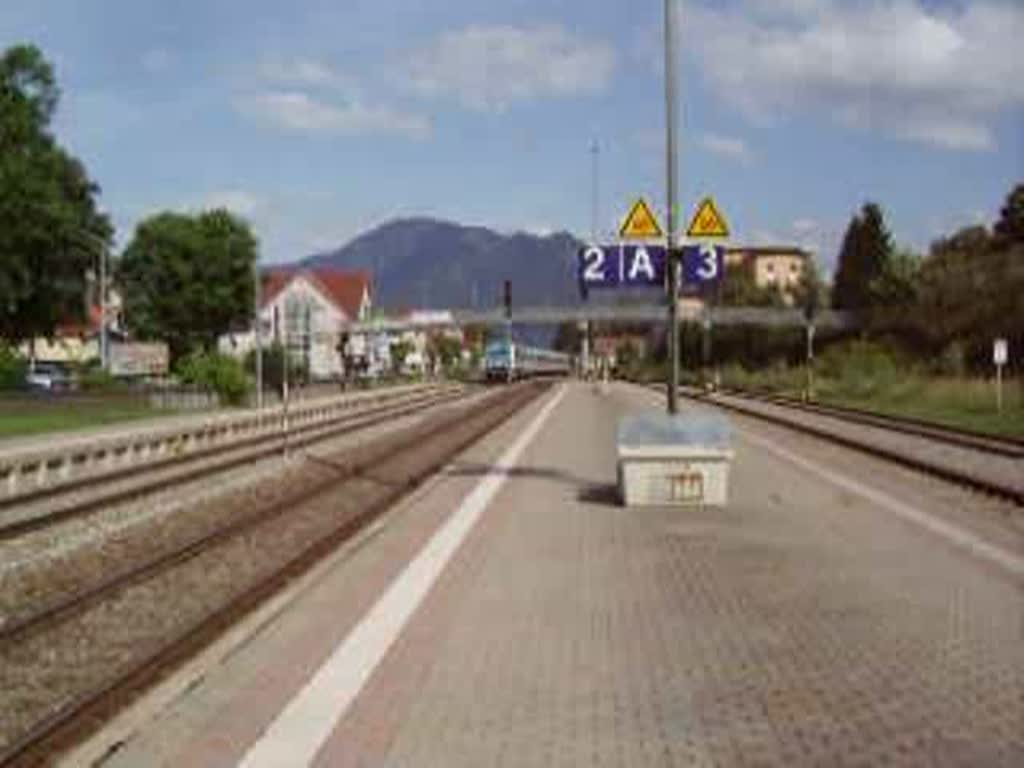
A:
(188, 279)
(51, 233)
(863, 258)
(1010, 226)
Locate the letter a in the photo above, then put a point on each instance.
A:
(641, 263)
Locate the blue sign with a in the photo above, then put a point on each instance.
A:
(610, 266)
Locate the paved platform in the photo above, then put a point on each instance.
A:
(814, 621)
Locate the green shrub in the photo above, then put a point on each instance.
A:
(12, 368)
(273, 368)
(218, 373)
(863, 368)
(95, 379)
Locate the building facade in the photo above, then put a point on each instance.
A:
(307, 310)
(780, 266)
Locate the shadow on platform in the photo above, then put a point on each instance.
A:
(589, 490)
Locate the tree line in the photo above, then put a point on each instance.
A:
(945, 306)
(183, 278)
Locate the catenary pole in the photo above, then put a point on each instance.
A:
(671, 180)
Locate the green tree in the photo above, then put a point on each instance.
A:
(188, 279)
(739, 288)
(446, 349)
(51, 233)
(567, 337)
(1010, 226)
(399, 351)
(627, 357)
(896, 286)
(863, 258)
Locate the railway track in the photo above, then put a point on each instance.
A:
(999, 445)
(989, 465)
(48, 506)
(324, 505)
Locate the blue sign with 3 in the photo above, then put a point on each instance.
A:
(704, 263)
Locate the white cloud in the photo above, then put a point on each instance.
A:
(894, 66)
(491, 67)
(726, 146)
(307, 73)
(299, 112)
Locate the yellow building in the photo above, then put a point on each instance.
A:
(780, 266)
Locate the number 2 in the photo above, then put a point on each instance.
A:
(594, 271)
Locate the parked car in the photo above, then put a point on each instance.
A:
(47, 377)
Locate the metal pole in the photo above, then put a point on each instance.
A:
(706, 346)
(595, 151)
(257, 330)
(284, 394)
(999, 389)
(810, 361)
(595, 217)
(671, 19)
(508, 341)
(104, 339)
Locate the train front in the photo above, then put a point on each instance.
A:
(500, 361)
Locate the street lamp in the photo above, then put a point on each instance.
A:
(104, 337)
(257, 329)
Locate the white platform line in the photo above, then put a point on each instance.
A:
(302, 727)
(952, 533)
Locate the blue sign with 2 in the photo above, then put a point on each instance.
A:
(609, 266)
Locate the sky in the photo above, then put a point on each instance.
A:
(318, 119)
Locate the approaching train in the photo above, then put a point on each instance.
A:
(504, 361)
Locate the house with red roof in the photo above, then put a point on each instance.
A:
(308, 310)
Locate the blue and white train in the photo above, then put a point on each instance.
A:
(504, 361)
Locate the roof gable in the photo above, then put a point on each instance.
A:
(345, 290)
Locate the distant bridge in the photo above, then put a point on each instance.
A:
(643, 313)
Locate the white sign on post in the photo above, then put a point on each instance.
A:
(1000, 352)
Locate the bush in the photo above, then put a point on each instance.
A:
(95, 379)
(13, 368)
(273, 367)
(218, 373)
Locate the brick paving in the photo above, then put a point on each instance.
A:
(799, 626)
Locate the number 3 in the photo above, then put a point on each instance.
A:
(708, 269)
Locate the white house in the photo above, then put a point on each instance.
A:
(307, 310)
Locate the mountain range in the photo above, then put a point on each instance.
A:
(428, 263)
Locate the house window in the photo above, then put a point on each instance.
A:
(770, 268)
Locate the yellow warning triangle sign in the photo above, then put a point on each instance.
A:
(640, 222)
(708, 221)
